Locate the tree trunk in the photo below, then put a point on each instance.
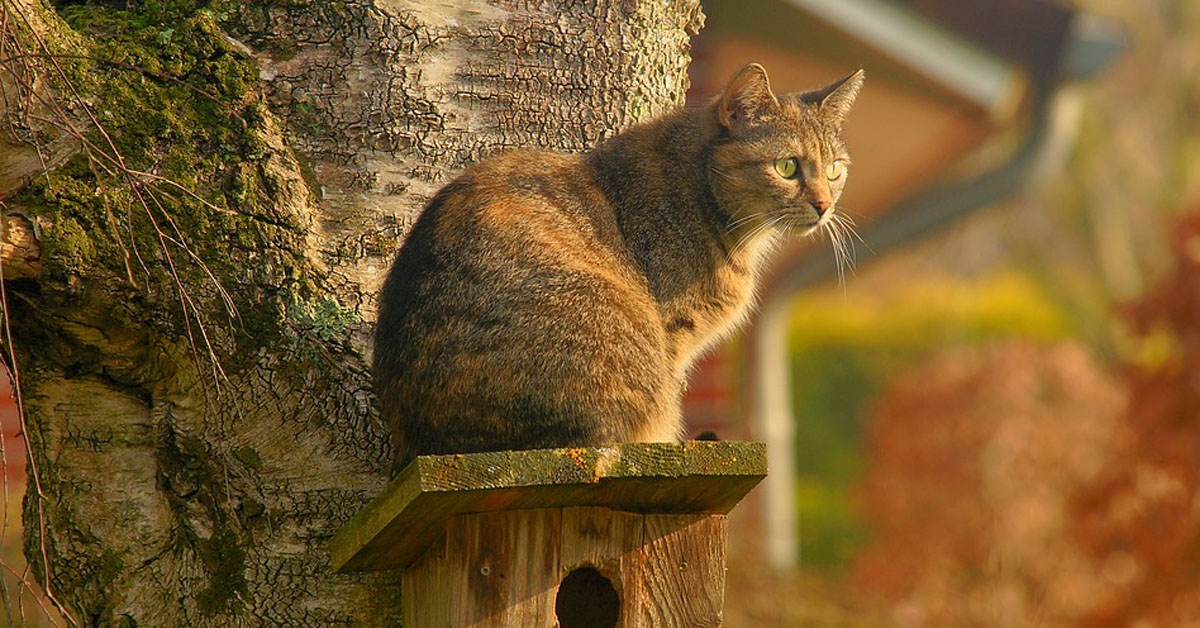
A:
(219, 190)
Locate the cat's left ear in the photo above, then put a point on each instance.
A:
(834, 100)
(747, 99)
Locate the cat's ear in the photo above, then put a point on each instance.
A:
(834, 100)
(747, 99)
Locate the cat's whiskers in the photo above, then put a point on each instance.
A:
(846, 220)
(850, 254)
(848, 226)
(840, 229)
(738, 219)
(831, 231)
(738, 215)
(756, 231)
(851, 225)
(849, 214)
(722, 173)
(737, 222)
(748, 236)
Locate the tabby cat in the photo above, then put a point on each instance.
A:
(548, 300)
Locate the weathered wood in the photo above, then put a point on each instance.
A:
(19, 163)
(610, 542)
(504, 569)
(691, 477)
(683, 572)
(492, 569)
(20, 251)
(34, 137)
(669, 570)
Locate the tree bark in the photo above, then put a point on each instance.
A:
(20, 251)
(228, 186)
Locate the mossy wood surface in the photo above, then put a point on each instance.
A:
(692, 477)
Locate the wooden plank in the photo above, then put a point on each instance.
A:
(683, 572)
(498, 569)
(426, 588)
(411, 512)
(609, 541)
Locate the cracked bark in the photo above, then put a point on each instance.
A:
(177, 497)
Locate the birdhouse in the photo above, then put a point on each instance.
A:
(630, 535)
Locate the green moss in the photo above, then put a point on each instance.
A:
(249, 457)
(224, 559)
(69, 244)
(324, 317)
(173, 98)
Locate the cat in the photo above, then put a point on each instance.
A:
(552, 300)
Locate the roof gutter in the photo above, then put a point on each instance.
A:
(1094, 44)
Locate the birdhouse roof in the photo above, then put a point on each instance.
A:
(412, 511)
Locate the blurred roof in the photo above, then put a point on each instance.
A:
(976, 53)
(1030, 33)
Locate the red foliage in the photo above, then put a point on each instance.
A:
(1144, 510)
(1022, 485)
(974, 460)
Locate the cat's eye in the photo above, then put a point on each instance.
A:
(834, 170)
(787, 167)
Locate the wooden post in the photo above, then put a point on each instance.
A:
(631, 535)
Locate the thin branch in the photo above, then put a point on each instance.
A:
(131, 68)
(114, 156)
(25, 583)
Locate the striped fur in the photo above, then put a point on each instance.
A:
(545, 299)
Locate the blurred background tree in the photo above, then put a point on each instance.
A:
(1139, 520)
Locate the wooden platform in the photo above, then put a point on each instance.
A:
(659, 478)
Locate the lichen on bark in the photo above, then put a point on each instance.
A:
(193, 353)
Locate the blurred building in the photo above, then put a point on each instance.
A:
(962, 99)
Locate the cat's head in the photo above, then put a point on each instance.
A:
(779, 161)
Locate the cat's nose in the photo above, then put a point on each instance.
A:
(822, 205)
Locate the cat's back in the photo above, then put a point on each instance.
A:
(485, 230)
(510, 231)
(523, 198)
(492, 313)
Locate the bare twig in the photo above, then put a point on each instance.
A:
(23, 578)
(133, 68)
(16, 232)
(113, 155)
